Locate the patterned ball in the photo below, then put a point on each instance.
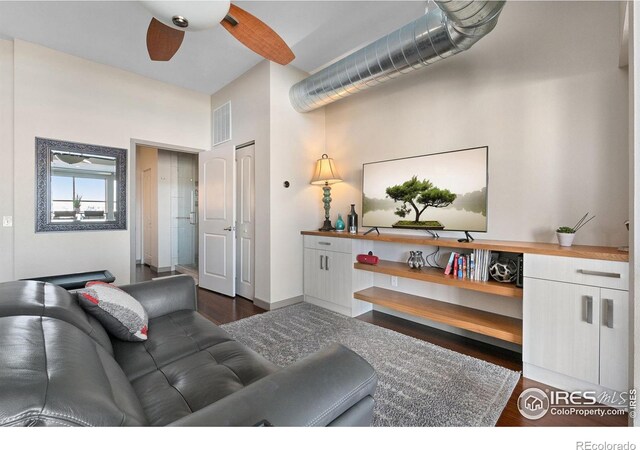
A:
(504, 270)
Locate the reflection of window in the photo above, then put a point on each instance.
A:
(97, 192)
(64, 188)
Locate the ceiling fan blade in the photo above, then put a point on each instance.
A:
(163, 41)
(257, 36)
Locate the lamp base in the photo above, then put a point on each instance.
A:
(327, 226)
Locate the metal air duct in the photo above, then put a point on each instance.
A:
(448, 27)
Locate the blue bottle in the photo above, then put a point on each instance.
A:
(340, 223)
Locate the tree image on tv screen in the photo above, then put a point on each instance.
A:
(418, 195)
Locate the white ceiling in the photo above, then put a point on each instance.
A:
(114, 33)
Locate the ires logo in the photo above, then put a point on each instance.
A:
(533, 403)
(577, 398)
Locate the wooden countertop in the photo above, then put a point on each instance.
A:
(538, 248)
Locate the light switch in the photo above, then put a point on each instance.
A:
(7, 221)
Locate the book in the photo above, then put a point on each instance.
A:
(455, 265)
(464, 266)
(447, 270)
(472, 266)
(460, 266)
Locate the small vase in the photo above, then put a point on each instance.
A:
(419, 260)
(352, 219)
(565, 239)
(412, 259)
(340, 223)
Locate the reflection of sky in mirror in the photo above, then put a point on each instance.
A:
(61, 188)
(88, 188)
(460, 172)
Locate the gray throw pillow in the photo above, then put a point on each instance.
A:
(119, 313)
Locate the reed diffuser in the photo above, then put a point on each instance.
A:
(567, 234)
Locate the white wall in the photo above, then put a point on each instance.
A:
(287, 146)
(63, 97)
(164, 211)
(6, 156)
(147, 159)
(297, 141)
(249, 96)
(543, 91)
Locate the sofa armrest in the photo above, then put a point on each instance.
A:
(164, 296)
(312, 392)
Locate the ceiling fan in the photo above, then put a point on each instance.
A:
(172, 18)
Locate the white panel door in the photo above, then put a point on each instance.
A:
(614, 339)
(561, 328)
(245, 233)
(217, 230)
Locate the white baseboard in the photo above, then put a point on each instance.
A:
(279, 304)
(328, 305)
(160, 269)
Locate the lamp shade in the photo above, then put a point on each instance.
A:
(326, 172)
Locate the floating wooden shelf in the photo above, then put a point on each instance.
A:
(538, 248)
(482, 322)
(434, 275)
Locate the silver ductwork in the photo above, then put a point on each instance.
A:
(449, 27)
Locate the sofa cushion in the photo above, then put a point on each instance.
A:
(122, 315)
(53, 374)
(35, 298)
(186, 363)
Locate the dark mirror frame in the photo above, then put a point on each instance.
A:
(44, 148)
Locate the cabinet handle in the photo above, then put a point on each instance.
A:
(608, 313)
(588, 308)
(324, 243)
(321, 266)
(326, 263)
(599, 274)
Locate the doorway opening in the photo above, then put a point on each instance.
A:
(194, 214)
(166, 237)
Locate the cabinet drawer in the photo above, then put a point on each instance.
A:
(590, 272)
(330, 244)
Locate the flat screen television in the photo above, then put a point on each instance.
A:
(440, 191)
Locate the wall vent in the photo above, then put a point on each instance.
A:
(222, 124)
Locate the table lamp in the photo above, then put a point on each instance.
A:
(326, 174)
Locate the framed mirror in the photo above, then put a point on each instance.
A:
(80, 187)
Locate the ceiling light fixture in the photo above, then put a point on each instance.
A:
(180, 21)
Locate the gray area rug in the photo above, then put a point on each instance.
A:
(419, 384)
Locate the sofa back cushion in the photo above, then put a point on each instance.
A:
(35, 298)
(53, 374)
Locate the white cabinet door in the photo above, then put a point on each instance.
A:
(314, 273)
(339, 267)
(614, 339)
(561, 328)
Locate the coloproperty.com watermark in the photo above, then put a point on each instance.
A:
(535, 403)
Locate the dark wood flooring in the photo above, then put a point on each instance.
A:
(221, 309)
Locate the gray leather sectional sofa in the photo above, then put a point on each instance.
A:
(58, 367)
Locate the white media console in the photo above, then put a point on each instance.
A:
(570, 319)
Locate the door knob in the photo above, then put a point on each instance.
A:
(230, 229)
